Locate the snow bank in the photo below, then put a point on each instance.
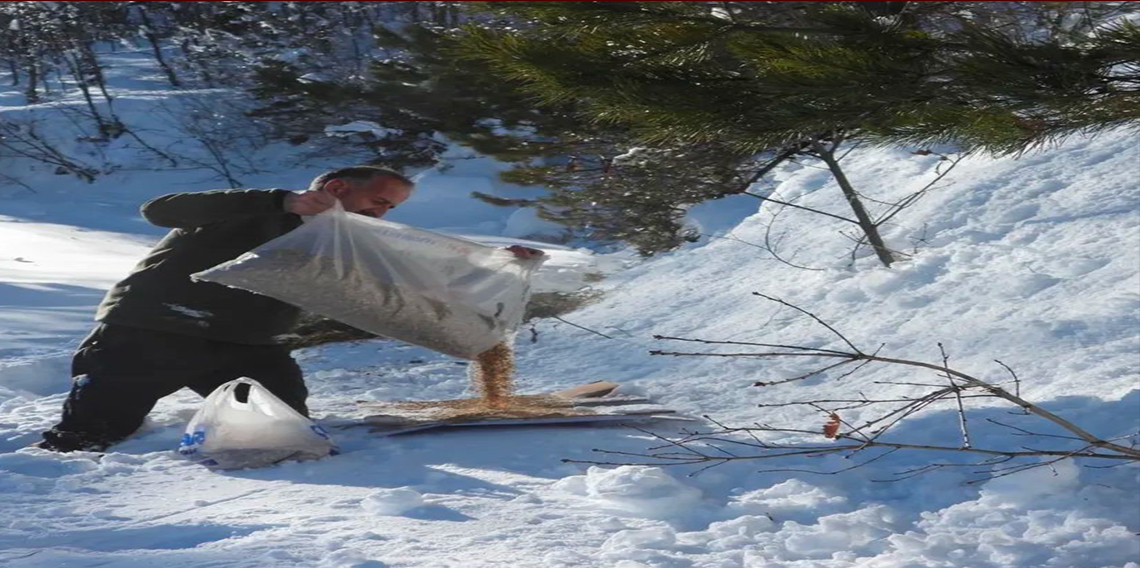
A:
(647, 492)
(392, 501)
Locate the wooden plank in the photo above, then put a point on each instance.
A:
(583, 402)
(597, 402)
(598, 393)
(610, 401)
(396, 429)
(592, 390)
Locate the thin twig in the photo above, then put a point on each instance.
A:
(771, 246)
(581, 327)
(794, 206)
(1016, 381)
(749, 343)
(909, 200)
(812, 316)
(1024, 432)
(801, 377)
(873, 431)
(957, 396)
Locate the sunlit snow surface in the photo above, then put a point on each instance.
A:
(1032, 261)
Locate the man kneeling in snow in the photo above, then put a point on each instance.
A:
(159, 331)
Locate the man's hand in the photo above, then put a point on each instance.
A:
(309, 202)
(525, 253)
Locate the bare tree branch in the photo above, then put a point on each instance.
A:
(727, 444)
(957, 397)
(572, 324)
(812, 316)
(794, 206)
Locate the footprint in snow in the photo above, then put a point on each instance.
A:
(46, 465)
(1019, 213)
(1033, 284)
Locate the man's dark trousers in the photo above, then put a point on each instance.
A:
(119, 373)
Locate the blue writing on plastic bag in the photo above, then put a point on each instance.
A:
(191, 442)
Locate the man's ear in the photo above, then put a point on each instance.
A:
(337, 187)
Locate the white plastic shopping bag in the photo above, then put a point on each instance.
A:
(448, 294)
(241, 424)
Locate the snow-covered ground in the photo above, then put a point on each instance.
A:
(1032, 261)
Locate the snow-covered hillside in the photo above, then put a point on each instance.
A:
(1032, 261)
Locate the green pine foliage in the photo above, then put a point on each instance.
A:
(423, 88)
(638, 197)
(804, 78)
(629, 112)
(682, 73)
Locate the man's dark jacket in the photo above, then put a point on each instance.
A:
(210, 228)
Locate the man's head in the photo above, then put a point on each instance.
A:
(367, 190)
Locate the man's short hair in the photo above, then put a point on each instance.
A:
(359, 174)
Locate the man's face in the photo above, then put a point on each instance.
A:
(373, 198)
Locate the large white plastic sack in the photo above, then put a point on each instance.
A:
(231, 433)
(448, 294)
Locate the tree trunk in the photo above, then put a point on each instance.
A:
(353, 31)
(170, 75)
(367, 13)
(76, 69)
(46, 87)
(92, 61)
(196, 61)
(154, 43)
(15, 69)
(30, 92)
(869, 228)
(453, 12)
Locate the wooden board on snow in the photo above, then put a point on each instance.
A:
(595, 389)
(393, 429)
(596, 402)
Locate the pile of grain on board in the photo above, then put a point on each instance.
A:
(472, 409)
(492, 379)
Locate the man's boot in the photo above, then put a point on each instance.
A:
(63, 442)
